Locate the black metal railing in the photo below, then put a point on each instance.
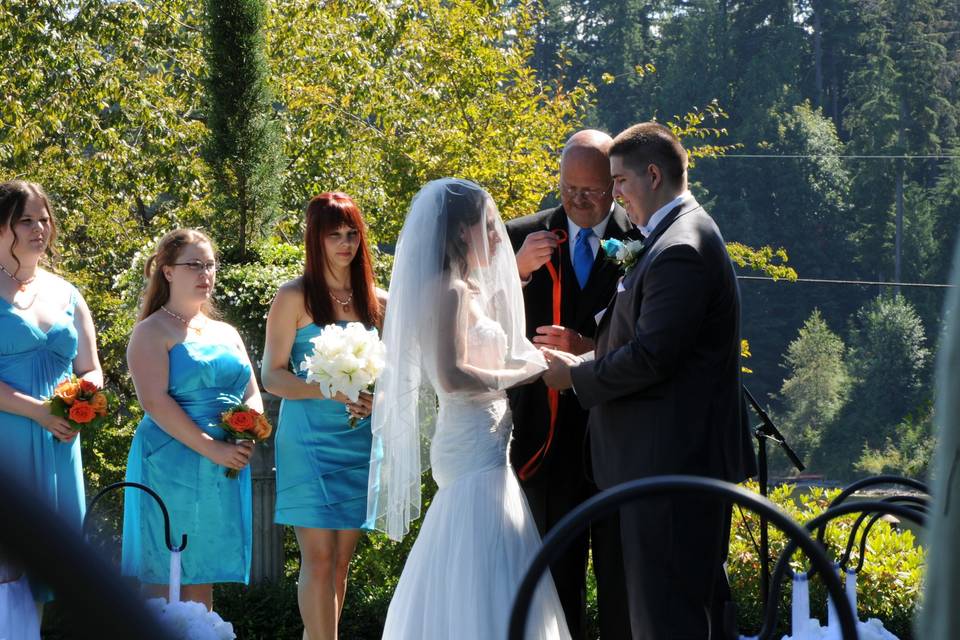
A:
(612, 499)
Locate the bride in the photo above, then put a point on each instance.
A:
(454, 331)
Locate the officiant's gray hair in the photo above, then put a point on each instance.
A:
(652, 143)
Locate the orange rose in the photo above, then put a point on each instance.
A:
(240, 420)
(261, 428)
(88, 388)
(81, 412)
(67, 391)
(99, 403)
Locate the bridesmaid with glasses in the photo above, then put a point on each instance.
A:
(188, 368)
(46, 334)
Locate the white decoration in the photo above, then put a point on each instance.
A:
(190, 620)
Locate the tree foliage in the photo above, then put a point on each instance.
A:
(889, 362)
(816, 387)
(243, 147)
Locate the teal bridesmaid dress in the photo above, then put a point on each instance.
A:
(323, 464)
(213, 510)
(34, 362)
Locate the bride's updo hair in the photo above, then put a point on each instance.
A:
(464, 203)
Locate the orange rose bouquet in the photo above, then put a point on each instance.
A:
(243, 423)
(82, 403)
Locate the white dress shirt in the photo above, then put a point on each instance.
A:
(662, 212)
(598, 230)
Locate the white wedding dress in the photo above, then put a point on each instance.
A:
(18, 613)
(478, 536)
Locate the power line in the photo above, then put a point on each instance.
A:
(869, 283)
(852, 157)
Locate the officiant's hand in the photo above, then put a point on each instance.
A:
(557, 375)
(536, 250)
(562, 339)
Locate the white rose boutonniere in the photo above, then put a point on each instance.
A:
(624, 254)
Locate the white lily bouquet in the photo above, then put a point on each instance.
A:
(347, 360)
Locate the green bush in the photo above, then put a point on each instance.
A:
(244, 291)
(888, 587)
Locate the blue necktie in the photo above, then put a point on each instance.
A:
(583, 256)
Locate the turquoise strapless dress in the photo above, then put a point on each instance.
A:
(34, 362)
(322, 464)
(213, 510)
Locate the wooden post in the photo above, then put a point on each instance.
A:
(268, 557)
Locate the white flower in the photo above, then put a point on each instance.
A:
(345, 359)
(190, 620)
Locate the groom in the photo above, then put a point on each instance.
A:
(664, 391)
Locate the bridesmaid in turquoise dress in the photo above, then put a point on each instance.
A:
(322, 463)
(46, 334)
(187, 368)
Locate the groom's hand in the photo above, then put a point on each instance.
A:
(557, 375)
(562, 339)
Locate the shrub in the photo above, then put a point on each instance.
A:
(888, 587)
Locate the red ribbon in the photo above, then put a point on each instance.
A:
(532, 465)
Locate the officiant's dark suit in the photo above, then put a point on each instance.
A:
(664, 394)
(560, 479)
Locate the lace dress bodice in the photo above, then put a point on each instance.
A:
(473, 429)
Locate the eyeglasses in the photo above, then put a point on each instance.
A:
(589, 194)
(198, 267)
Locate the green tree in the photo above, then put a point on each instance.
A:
(384, 97)
(608, 42)
(899, 105)
(817, 385)
(909, 452)
(798, 203)
(244, 147)
(889, 361)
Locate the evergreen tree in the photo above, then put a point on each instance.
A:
(244, 147)
(608, 42)
(889, 362)
(898, 106)
(817, 385)
(801, 204)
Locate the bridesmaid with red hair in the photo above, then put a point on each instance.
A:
(322, 463)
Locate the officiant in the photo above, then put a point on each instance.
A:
(567, 281)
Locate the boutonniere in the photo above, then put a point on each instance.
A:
(625, 255)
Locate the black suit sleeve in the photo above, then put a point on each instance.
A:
(673, 305)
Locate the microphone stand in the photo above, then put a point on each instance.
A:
(763, 432)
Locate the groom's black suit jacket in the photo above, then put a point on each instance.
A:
(565, 460)
(664, 390)
(665, 398)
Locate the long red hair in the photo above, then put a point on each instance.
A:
(326, 213)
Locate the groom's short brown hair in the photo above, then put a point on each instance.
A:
(651, 143)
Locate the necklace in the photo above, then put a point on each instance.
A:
(197, 330)
(22, 284)
(342, 303)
